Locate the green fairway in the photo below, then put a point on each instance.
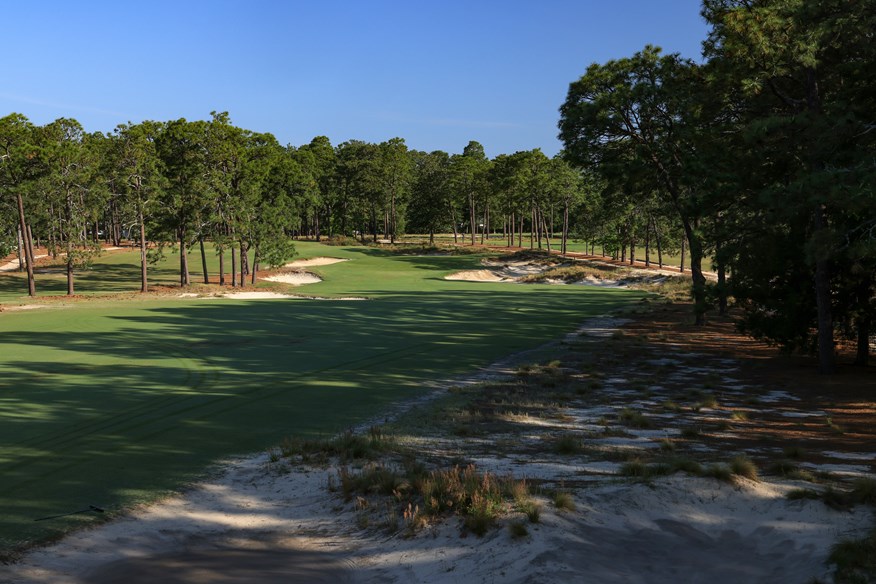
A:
(110, 402)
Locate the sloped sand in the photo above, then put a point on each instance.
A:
(264, 522)
(294, 278)
(476, 276)
(310, 262)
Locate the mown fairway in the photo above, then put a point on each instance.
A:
(111, 402)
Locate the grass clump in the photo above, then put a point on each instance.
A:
(855, 560)
(803, 494)
(563, 501)
(743, 466)
(635, 419)
(518, 529)
(720, 472)
(567, 444)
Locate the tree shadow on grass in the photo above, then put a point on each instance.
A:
(142, 397)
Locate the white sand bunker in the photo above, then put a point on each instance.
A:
(309, 262)
(476, 276)
(255, 295)
(294, 278)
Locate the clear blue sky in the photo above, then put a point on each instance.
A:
(437, 74)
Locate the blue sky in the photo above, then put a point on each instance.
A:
(435, 73)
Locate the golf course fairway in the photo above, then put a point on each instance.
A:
(113, 402)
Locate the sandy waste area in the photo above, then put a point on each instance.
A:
(272, 519)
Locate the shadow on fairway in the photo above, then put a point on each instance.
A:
(138, 398)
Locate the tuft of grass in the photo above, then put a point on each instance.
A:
(739, 416)
(802, 494)
(635, 419)
(708, 401)
(686, 465)
(638, 469)
(564, 501)
(721, 472)
(864, 491)
(783, 468)
(667, 445)
(670, 406)
(855, 560)
(567, 444)
(518, 529)
(743, 466)
(794, 452)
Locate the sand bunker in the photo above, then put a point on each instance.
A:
(476, 276)
(310, 262)
(255, 295)
(22, 307)
(294, 278)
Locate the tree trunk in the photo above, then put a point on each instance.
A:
(233, 265)
(471, 215)
(144, 282)
(255, 265)
(222, 266)
(681, 267)
(566, 227)
(28, 247)
(204, 261)
(69, 272)
(20, 249)
(696, 271)
(659, 248)
(648, 244)
(826, 360)
(244, 264)
(453, 221)
(183, 261)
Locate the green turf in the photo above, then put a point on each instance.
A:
(110, 402)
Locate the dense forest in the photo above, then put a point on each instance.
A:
(758, 162)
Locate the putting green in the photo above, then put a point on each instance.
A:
(111, 402)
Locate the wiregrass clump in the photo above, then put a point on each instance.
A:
(420, 497)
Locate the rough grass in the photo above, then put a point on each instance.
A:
(855, 560)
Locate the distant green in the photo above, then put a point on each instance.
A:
(110, 402)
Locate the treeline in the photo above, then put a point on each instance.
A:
(765, 155)
(183, 183)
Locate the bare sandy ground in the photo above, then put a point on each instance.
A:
(276, 521)
(265, 522)
(14, 265)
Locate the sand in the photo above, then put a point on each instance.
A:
(310, 262)
(14, 265)
(270, 523)
(294, 278)
(476, 276)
